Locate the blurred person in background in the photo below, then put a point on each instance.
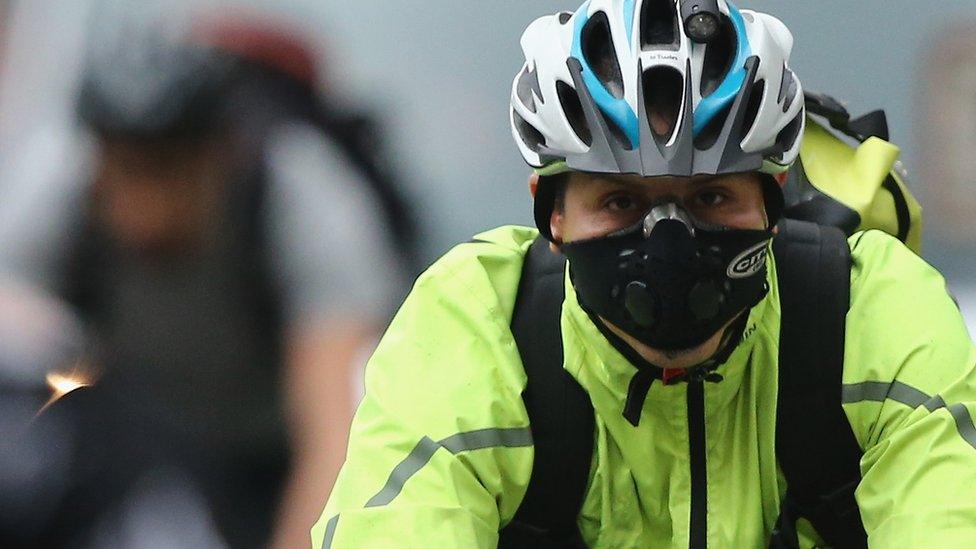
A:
(232, 246)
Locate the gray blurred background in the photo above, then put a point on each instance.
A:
(440, 72)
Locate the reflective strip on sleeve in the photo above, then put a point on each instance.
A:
(329, 532)
(415, 461)
(487, 438)
(461, 442)
(879, 391)
(935, 403)
(964, 422)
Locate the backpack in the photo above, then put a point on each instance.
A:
(818, 453)
(848, 175)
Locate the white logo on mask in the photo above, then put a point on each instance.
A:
(748, 262)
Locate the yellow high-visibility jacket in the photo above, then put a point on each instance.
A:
(441, 450)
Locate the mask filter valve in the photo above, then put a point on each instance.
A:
(641, 304)
(705, 301)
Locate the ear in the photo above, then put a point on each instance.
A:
(556, 220)
(533, 184)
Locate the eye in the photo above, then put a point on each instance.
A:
(620, 203)
(711, 198)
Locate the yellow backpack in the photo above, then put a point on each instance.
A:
(849, 176)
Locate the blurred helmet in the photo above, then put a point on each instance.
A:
(156, 88)
(657, 87)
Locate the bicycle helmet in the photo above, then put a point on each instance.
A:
(655, 88)
(155, 88)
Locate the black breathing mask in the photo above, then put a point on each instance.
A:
(670, 281)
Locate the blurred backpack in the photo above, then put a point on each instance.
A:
(847, 179)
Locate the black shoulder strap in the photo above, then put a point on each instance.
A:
(872, 124)
(560, 412)
(249, 201)
(815, 445)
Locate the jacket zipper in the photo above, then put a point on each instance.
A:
(698, 528)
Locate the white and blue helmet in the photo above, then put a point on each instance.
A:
(658, 87)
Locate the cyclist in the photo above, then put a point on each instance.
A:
(660, 133)
(209, 251)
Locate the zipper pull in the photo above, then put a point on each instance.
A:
(701, 375)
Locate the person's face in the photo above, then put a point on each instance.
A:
(159, 197)
(596, 205)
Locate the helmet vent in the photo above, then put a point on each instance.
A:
(787, 136)
(710, 134)
(787, 89)
(573, 108)
(719, 54)
(564, 17)
(618, 133)
(659, 24)
(663, 97)
(752, 108)
(532, 137)
(600, 54)
(528, 82)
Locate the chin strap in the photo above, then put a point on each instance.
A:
(641, 383)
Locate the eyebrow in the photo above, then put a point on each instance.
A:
(697, 181)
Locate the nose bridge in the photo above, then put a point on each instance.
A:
(669, 211)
